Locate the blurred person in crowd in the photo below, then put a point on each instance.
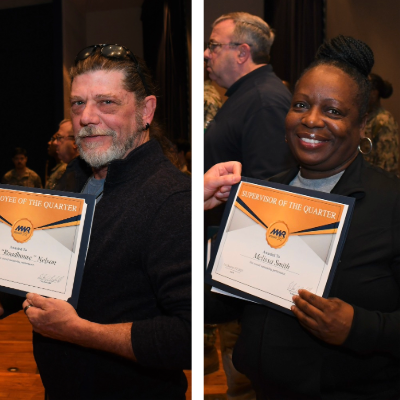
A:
(58, 170)
(381, 128)
(66, 148)
(212, 100)
(183, 149)
(21, 175)
(249, 128)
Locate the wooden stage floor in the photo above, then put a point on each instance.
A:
(16, 352)
(215, 386)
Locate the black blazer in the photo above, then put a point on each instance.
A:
(283, 360)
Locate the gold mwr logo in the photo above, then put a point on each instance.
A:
(277, 234)
(22, 230)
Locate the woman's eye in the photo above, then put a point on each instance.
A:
(334, 111)
(299, 105)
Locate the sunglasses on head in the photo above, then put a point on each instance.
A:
(113, 51)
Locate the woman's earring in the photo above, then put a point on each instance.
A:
(361, 147)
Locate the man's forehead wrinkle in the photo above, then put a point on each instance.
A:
(108, 95)
(99, 96)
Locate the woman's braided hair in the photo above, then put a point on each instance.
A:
(352, 56)
(384, 88)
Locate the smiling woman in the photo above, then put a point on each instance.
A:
(323, 128)
(348, 345)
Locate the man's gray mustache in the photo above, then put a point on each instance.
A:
(85, 134)
(94, 134)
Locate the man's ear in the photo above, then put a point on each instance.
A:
(150, 104)
(244, 53)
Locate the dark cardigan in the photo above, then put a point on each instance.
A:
(284, 361)
(138, 269)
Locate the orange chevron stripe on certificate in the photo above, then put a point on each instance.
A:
(25, 212)
(302, 215)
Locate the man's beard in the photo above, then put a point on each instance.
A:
(99, 158)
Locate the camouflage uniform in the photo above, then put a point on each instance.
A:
(212, 102)
(29, 179)
(56, 173)
(383, 130)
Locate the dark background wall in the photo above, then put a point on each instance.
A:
(30, 107)
(376, 23)
(156, 30)
(40, 39)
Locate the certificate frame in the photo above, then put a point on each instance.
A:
(82, 244)
(217, 249)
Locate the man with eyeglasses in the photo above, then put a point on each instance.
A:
(53, 176)
(66, 150)
(64, 140)
(248, 128)
(129, 337)
(250, 125)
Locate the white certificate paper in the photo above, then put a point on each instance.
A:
(277, 239)
(43, 241)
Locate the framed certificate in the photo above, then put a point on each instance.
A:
(275, 239)
(44, 237)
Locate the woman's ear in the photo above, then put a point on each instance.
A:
(362, 126)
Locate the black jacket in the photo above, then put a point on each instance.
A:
(284, 361)
(138, 269)
(250, 126)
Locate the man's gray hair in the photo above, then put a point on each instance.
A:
(71, 131)
(64, 121)
(252, 30)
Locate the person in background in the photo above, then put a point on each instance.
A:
(212, 100)
(58, 170)
(66, 148)
(183, 150)
(218, 181)
(249, 128)
(21, 175)
(381, 128)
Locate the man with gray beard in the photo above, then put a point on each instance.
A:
(130, 334)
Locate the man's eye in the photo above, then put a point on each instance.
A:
(107, 102)
(77, 103)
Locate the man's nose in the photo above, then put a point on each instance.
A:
(89, 115)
